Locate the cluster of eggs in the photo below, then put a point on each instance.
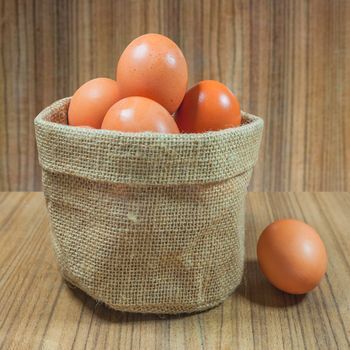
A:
(149, 94)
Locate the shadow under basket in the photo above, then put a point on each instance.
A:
(147, 222)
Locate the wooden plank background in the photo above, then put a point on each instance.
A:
(288, 61)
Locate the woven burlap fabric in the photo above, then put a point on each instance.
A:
(147, 222)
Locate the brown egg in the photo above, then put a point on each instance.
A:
(139, 114)
(153, 66)
(292, 256)
(208, 106)
(91, 101)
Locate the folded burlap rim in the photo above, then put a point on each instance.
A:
(212, 156)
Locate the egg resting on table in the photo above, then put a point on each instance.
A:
(292, 256)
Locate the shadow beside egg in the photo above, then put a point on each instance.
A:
(257, 289)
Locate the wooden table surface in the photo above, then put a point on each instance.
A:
(38, 310)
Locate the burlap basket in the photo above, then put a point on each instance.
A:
(147, 222)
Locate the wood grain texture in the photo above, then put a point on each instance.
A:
(288, 61)
(39, 311)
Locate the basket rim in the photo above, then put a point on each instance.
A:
(144, 158)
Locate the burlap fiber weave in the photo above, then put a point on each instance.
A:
(147, 222)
